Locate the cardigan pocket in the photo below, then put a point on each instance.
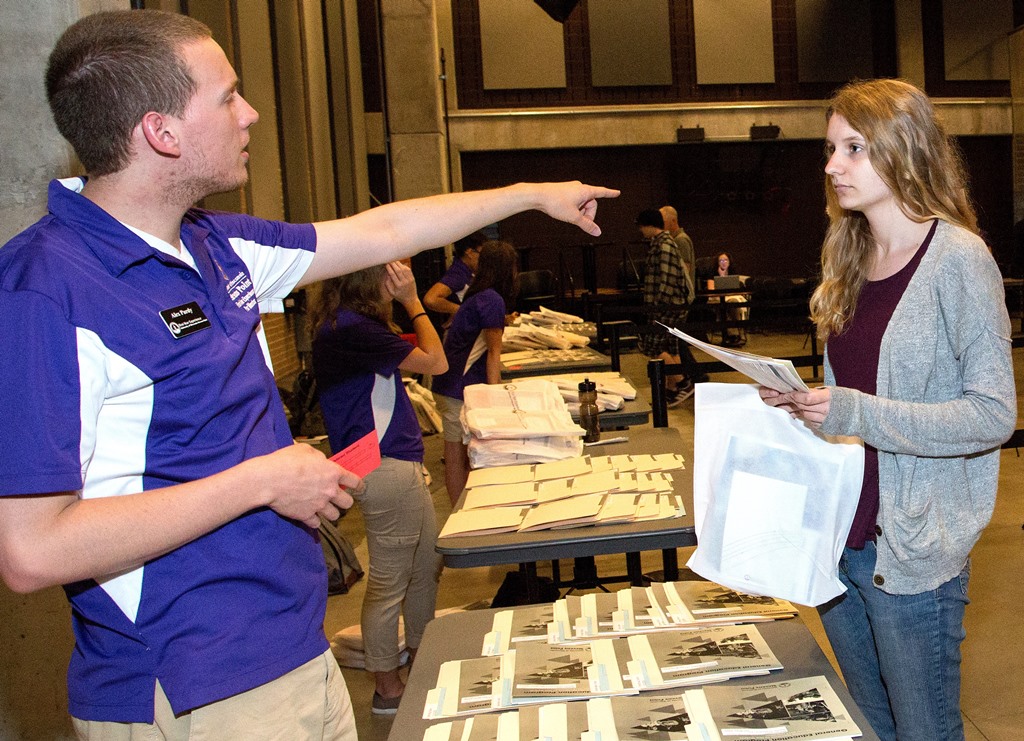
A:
(914, 532)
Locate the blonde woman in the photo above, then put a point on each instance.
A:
(918, 365)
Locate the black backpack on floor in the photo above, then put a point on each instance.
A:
(343, 567)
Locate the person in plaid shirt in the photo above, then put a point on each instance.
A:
(666, 298)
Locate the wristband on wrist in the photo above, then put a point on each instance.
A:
(417, 316)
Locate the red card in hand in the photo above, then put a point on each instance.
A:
(360, 457)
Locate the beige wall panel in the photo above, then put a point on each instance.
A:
(521, 46)
(733, 41)
(630, 42)
(33, 151)
(974, 39)
(246, 40)
(415, 111)
(171, 6)
(652, 124)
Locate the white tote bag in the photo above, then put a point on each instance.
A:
(773, 500)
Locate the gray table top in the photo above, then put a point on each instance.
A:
(593, 540)
(460, 636)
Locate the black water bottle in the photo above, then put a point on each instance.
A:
(588, 411)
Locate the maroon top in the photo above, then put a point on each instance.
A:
(853, 356)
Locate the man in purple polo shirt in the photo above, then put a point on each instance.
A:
(145, 461)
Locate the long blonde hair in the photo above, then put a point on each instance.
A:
(919, 163)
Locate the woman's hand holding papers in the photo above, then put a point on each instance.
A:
(810, 406)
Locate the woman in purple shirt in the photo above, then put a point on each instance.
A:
(446, 295)
(473, 348)
(358, 359)
(918, 365)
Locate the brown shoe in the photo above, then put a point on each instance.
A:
(385, 705)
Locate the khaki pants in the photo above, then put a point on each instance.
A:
(401, 531)
(310, 702)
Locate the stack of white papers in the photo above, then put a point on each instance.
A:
(544, 315)
(524, 409)
(528, 685)
(517, 422)
(612, 389)
(535, 336)
(541, 672)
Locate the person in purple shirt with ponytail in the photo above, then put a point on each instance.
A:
(473, 347)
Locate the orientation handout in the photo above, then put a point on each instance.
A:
(771, 372)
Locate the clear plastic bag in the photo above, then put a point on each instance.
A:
(773, 500)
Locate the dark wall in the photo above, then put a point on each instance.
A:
(761, 201)
(989, 161)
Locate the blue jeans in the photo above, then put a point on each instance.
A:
(900, 654)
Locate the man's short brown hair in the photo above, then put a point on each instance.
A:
(108, 70)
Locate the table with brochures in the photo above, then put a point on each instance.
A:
(591, 540)
(460, 636)
(548, 362)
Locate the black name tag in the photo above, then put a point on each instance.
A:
(185, 319)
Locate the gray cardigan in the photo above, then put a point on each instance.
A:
(945, 402)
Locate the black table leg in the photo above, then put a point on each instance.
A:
(670, 564)
(633, 568)
(529, 572)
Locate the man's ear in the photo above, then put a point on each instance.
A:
(160, 133)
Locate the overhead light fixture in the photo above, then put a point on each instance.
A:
(689, 134)
(560, 10)
(764, 132)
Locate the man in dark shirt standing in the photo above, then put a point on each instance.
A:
(666, 298)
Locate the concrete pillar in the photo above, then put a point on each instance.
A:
(414, 98)
(33, 151)
(35, 629)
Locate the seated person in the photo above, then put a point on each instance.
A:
(731, 337)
